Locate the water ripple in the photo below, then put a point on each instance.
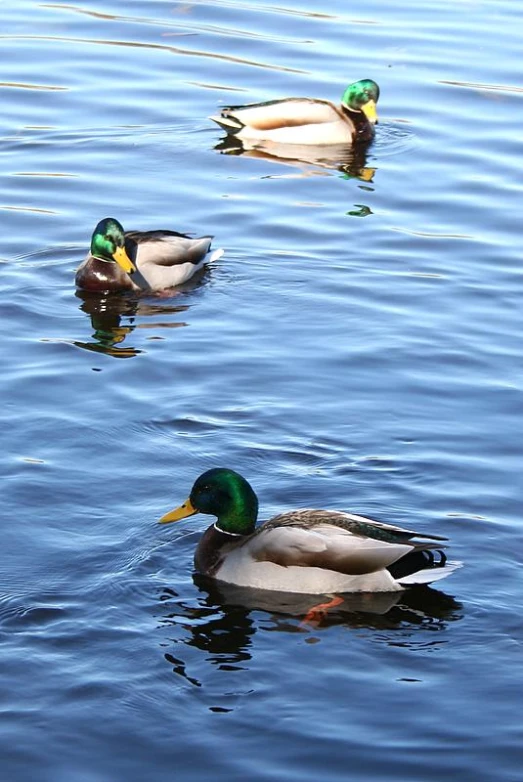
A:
(22, 86)
(157, 47)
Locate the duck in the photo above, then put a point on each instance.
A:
(121, 260)
(307, 120)
(304, 551)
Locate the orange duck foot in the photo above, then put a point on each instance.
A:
(318, 612)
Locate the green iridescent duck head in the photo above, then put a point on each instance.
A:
(222, 493)
(108, 244)
(362, 96)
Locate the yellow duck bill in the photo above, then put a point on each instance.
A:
(123, 260)
(370, 111)
(182, 512)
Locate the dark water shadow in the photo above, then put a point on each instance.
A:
(351, 161)
(115, 316)
(358, 609)
(224, 619)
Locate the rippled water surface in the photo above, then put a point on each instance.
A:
(357, 346)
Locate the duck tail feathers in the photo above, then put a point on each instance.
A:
(422, 566)
(230, 124)
(214, 255)
(430, 575)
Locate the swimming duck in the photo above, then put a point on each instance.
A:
(141, 260)
(307, 120)
(304, 551)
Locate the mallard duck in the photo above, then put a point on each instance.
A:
(304, 551)
(141, 260)
(307, 120)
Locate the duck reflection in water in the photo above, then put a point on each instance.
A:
(351, 161)
(113, 317)
(420, 605)
(223, 619)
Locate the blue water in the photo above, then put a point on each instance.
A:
(358, 346)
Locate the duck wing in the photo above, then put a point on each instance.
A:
(165, 248)
(165, 259)
(332, 540)
(358, 525)
(274, 114)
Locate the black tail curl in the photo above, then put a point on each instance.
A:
(415, 561)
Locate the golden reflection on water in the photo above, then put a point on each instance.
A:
(22, 86)
(38, 210)
(44, 174)
(155, 46)
(350, 160)
(78, 10)
(479, 86)
(106, 314)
